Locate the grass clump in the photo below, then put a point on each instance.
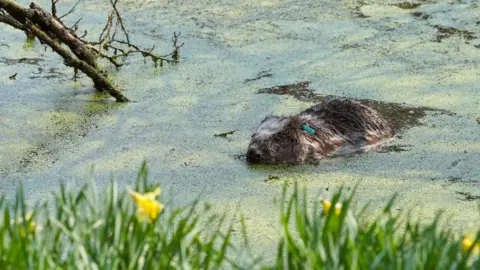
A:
(132, 229)
(338, 238)
(111, 229)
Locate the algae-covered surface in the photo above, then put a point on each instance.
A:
(416, 62)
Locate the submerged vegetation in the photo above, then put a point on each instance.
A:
(131, 229)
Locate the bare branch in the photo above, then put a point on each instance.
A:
(176, 54)
(11, 21)
(70, 11)
(106, 29)
(75, 25)
(50, 30)
(119, 20)
(54, 8)
(111, 59)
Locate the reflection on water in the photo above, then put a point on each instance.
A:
(399, 115)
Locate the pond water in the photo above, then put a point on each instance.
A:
(242, 60)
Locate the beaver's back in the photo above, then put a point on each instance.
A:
(344, 126)
(349, 116)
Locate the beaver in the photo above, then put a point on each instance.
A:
(334, 127)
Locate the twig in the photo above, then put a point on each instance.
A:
(54, 8)
(175, 54)
(84, 34)
(155, 58)
(112, 59)
(107, 40)
(106, 30)
(119, 20)
(148, 53)
(75, 25)
(71, 10)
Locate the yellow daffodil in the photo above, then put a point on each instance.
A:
(148, 207)
(468, 242)
(31, 225)
(327, 205)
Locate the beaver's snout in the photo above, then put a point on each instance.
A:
(254, 156)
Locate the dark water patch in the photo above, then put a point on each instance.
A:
(270, 167)
(454, 179)
(447, 31)
(408, 5)
(35, 156)
(467, 196)
(93, 91)
(360, 14)
(420, 15)
(455, 163)
(23, 60)
(50, 73)
(399, 115)
(451, 180)
(241, 157)
(299, 91)
(44, 77)
(260, 75)
(351, 46)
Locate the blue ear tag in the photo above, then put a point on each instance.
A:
(308, 129)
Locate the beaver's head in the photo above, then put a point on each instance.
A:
(274, 141)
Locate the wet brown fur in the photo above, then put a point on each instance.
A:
(341, 126)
